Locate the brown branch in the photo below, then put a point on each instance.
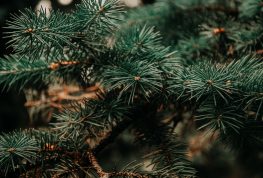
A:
(110, 137)
(53, 66)
(102, 174)
(56, 65)
(55, 97)
(127, 174)
(95, 165)
(260, 51)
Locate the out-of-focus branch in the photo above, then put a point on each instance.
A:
(66, 93)
(226, 10)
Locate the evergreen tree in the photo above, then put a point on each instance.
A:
(152, 66)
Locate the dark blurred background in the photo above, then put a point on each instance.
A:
(13, 114)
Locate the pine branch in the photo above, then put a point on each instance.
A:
(33, 32)
(247, 38)
(14, 148)
(19, 72)
(133, 77)
(250, 8)
(92, 115)
(226, 118)
(145, 76)
(48, 150)
(137, 70)
(98, 16)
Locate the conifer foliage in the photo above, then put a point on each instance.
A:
(151, 63)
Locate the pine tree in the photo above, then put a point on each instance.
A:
(151, 65)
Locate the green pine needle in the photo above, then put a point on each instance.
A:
(17, 148)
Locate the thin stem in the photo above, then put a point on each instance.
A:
(110, 137)
(102, 174)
